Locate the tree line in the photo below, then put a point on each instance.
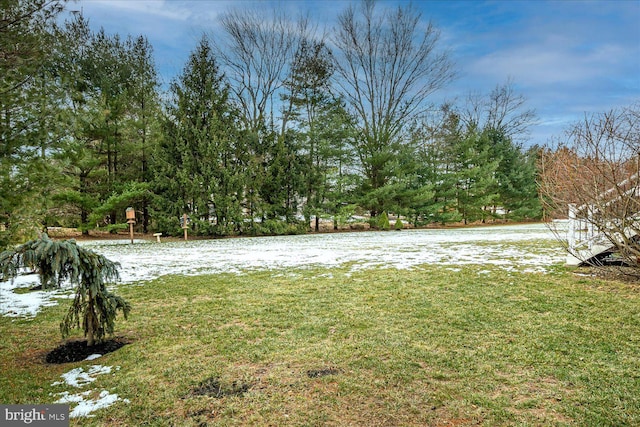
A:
(267, 126)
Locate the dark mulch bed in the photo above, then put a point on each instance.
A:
(75, 351)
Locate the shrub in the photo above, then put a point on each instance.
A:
(94, 308)
(383, 222)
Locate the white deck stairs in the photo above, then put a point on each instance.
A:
(586, 243)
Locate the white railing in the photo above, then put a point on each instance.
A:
(584, 239)
(582, 233)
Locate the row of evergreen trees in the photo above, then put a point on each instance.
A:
(86, 130)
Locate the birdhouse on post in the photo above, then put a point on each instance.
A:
(131, 219)
(184, 223)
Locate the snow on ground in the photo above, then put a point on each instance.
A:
(17, 300)
(519, 246)
(529, 248)
(93, 356)
(78, 378)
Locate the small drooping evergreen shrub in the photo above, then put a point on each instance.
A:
(94, 308)
(399, 225)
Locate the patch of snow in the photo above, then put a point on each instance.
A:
(72, 398)
(78, 378)
(93, 356)
(86, 407)
(26, 302)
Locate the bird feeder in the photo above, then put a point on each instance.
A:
(131, 219)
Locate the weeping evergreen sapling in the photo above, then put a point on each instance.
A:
(56, 262)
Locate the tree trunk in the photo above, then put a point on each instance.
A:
(89, 322)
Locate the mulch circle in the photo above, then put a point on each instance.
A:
(76, 351)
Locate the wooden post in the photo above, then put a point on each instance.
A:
(131, 219)
(185, 226)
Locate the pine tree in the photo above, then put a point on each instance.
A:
(141, 129)
(25, 115)
(439, 165)
(516, 176)
(476, 184)
(335, 131)
(198, 163)
(309, 102)
(94, 308)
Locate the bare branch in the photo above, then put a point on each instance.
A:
(598, 172)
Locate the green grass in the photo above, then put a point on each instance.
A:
(430, 346)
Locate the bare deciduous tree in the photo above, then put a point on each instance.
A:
(389, 66)
(594, 177)
(502, 110)
(259, 51)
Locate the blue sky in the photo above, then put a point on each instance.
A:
(567, 58)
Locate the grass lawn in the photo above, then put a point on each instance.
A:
(437, 346)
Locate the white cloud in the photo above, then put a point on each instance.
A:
(550, 63)
(148, 8)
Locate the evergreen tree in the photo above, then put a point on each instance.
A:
(197, 167)
(140, 133)
(503, 119)
(310, 102)
(476, 183)
(518, 187)
(283, 180)
(415, 195)
(439, 164)
(26, 35)
(110, 75)
(94, 308)
(110, 104)
(79, 158)
(383, 222)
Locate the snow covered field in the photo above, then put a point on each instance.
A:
(518, 247)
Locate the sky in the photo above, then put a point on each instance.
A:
(567, 58)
